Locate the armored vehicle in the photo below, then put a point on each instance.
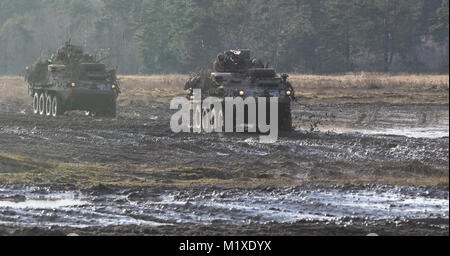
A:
(72, 80)
(236, 74)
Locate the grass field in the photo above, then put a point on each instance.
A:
(310, 89)
(316, 89)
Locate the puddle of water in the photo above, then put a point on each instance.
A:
(41, 204)
(248, 151)
(429, 133)
(411, 132)
(232, 206)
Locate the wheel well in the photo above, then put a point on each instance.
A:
(47, 91)
(50, 92)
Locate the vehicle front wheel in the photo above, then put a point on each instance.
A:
(113, 109)
(36, 103)
(285, 117)
(110, 110)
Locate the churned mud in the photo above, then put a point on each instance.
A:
(131, 175)
(328, 205)
(154, 207)
(145, 151)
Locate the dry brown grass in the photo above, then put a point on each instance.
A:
(148, 90)
(13, 94)
(368, 80)
(371, 88)
(311, 89)
(12, 87)
(169, 82)
(317, 89)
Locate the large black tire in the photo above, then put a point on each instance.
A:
(213, 113)
(267, 115)
(113, 109)
(234, 119)
(48, 105)
(218, 114)
(197, 123)
(57, 107)
(36, 103)
(42, 104)
(110, 110)
(285, 117)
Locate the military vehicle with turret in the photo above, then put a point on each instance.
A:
(72, 80)
(236, 74)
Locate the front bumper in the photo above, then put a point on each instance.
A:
(88, 99)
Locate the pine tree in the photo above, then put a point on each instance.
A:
(440, 32)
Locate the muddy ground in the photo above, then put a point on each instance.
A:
(393, 151)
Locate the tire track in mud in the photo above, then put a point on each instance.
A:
(299, 155)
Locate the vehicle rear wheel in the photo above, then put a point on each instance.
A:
(197, 118)
(57, 109)
(205, 123)
(42, 104)
(225, 119)
(48, 105)
(36, 103)
(218, 116)
(209, 118)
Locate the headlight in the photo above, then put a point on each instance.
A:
(113, 86)
(288, 92)
(241, 93)
(74, 84)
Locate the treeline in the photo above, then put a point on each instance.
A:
(181, 36)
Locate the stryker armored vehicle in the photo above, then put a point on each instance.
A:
(72, 80)
(236, 74)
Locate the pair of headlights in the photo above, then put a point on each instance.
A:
(239, 92)
(242, 93)
(112, 86)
